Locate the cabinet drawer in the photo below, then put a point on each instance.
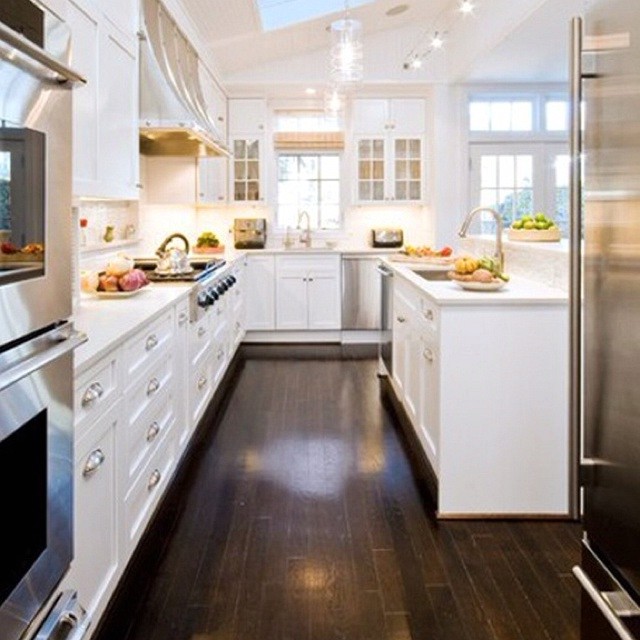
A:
(96, 389)
(149, 344)
(430, 313)
(200, 389)
(147, 489)
(143, 437)
(199, 339)
(149, 389)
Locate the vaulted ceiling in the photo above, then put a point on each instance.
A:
(505, 40)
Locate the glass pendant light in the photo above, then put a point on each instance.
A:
(346, 50)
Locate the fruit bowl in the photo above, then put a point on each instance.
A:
(534, 235)
(218, 249)
(469, 285)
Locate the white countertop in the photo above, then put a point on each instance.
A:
(517, 291)
(368, 251)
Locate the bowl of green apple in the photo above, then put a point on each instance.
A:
(537, 227)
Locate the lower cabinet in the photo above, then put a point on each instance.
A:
(96, 564)
(260, 309)
(308, 292)
(488, 407)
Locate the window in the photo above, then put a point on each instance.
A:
(556, 115)
(501, 115)
(519, 179)
(309, 182)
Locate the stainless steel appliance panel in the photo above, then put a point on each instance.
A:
(36, 458)
(611, 266)
(385, 350)
(249, 233)
(360, 293)
(35, 101)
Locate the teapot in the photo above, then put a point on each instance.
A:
(173, 260)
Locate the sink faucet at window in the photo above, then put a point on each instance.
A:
(305, 236)
(498, 254)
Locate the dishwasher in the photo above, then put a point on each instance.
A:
(385, 348)
(361, 307)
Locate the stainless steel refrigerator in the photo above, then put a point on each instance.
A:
(606, 309)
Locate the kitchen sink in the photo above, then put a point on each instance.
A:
(432, 274)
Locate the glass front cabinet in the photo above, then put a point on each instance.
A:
(247, 170)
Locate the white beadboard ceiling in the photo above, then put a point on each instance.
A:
(506, 40)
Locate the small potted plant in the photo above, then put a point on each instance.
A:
(208, 242)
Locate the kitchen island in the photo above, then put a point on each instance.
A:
(483, 380)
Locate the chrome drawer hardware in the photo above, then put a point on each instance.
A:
(94, 461)
(153, 431)
(202, 383)
(154, 479)
(153, 386)
(152, 342)
(94, 392)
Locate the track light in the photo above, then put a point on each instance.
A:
(466, 7)
(437, 42)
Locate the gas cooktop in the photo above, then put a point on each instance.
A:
(201, 270)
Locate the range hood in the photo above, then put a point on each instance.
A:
(174, 120)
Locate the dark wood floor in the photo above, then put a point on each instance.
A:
(299, 518)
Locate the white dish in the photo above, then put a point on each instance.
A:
(480, 286)
(118, 294)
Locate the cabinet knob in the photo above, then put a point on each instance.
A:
(201, 332)
(428, 355)
(154, 479)
(153, 431)
(182, 318)
(93, 393)
(401, 319)
(428, 314)
(94, 462)
(201, 383)
(152, 342)
(153, 386)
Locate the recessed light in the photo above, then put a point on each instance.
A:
(397, 10)
(310, 91)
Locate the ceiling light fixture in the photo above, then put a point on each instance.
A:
(333, 100)
(466, 7)
(346, 50)
(437, 42)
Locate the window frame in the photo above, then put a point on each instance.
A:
(315, 153)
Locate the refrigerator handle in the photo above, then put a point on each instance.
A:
(602, 600)
(575, 268)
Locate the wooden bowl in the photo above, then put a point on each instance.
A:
(534, 235)
(218, 249)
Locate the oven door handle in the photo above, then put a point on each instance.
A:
(31, 53)
(39, 360)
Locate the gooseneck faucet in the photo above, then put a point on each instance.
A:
(305, 236)
(498, 254)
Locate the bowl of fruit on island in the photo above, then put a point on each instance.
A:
(119, 280)
(478, 274)
(208, 242)
(534, 228)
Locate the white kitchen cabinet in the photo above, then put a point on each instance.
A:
(260, 293)
(95, 566)
(105, 110)
(122, 13)
(184, 426)
(213, 176)
(486, 395)
(389, 150)
(247, 126)
(308, 292)
(215, 101)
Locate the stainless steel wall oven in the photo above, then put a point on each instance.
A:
(36, 337)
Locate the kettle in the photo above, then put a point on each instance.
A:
(173, 260)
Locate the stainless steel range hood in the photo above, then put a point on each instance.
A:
(174, 120)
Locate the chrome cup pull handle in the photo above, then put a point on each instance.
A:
(153, 431)
(428, 355)
(94, 462)
(94, 392)
(152, 342)
(182, 318)
(401, 319)
(153, 386)
(154, 479)
(428, 314)
(202, 383)
(201, 332)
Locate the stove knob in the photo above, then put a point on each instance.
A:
(213, 293)
(230, 281)
(203, 300)
(222, 287)
(211, 297)
(233, 279)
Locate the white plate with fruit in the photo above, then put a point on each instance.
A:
(478, 274)
(119, 280)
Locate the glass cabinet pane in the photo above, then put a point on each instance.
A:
(246, 170)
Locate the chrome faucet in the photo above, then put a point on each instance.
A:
(498, 254)
(305, 236)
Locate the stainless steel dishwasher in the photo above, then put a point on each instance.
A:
(361, 306)
(385, 348)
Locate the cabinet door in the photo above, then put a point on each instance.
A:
(181, 355)
(247, 116)
(246, 171)
(85, 33)
(95, 561)
(428, 403)
(259, 283)
(408, 169)
(117, 119)
(122, 13)
(370, 116)
(212, 180)
(401, 337)
(291, 301)
(323, 302)
(371, 169)
(407, 116)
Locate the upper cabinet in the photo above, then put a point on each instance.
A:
(122, 13)
(105, 110)
(389, 141)
(247, 138)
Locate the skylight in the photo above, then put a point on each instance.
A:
(276, 14)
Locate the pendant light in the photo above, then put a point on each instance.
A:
(346, 50)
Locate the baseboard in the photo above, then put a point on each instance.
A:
(306, 351)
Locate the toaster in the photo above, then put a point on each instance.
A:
(386, 238)
(249, 233)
